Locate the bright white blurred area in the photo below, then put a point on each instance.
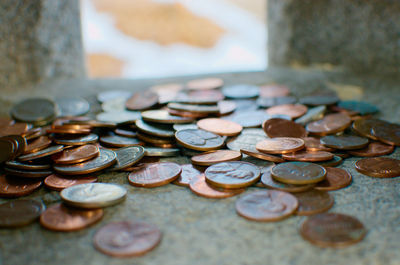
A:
(234, 34)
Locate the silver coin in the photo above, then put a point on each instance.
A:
(161, 130)
(200, 140)
(178, 127)
(118, 116)
(127, 157)
(72, 106)
(86, 139)
(119, 141)
(313, 114)
(241, 91)
(42, 153)
(194, 108)
(248, 119)
(26, 166)
(247, 140)
(116, 104)
(162, 152)
(35, 110)
(162, 116)
(113, 94)
(27, 173)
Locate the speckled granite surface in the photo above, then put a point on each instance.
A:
(197, 230)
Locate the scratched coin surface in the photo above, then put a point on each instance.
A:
(198, 139)
(127, 238)
(332, 230)
(373, 149)
(127, 156)
(76, 155)
(247, 140)
(280, 145)
(298, 173)
(58, 183)
(308, 156)
(266, 205)
(283, 128)
(292, 110)
(154, 174)
(344, 142)
(313, 202)
(213, 157)
(61, 218)
(12, 187)
(336, 178)
(93, 195)
(199, 186)
(142, 100)
(232, 175)
(379, 167)
(330, 124)
(220, 126)
(187, 174)
(269, 182)
(19, 213)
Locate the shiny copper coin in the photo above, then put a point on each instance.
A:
(15, 128)
(332, 230)
(313, 202)
(64, 219)
(232, 175)
(269, 182)
(58, 183)
(127, 238)
(292, 110)
(38, 144)
(76, 155)
(308, 156)
(214, 157)
(199, 186)
(344, 142)
(298, 173)
(162, 116)
(205, 83)
(154, 175)
(274, 90)
(220, 126)
(266, 205)
(283, 128)
(364, 127)
(388, 134)
(11, 187)
(119, 141)
(379, 167)
(336, 178)
(51, 150)
(20, 141)
(19, 213)
(187, 174)
(200, 140)
(314, 144)
(337, 160)
(188, 114)
(330, 124)
(262, 156)
(280, 145)
(68, 131)
(142, 100)
(373, 149)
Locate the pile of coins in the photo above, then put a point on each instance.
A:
(236, 137)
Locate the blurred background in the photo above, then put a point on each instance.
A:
(161, 38)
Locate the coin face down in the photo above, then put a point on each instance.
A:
(154, 174)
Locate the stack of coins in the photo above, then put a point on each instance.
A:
(235, 137)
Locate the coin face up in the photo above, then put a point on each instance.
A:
(280, 145)
(58, 183)
(298, 173)
(266, 205)
(199, 186)
(269, 182)
(127, 157)
(19, 213)
(379, 167)
(313, 202)
(232, 175)
(220, 126)
(187, 174)
(93, 195)
(336, 178)
(154, 175)
(200, 140)
(332, 230)
(344, 142)
(127, 238)
(218, 156)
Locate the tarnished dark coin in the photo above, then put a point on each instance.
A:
(37, 144)
(262, 156)
(388, 134)
(266, 205)
(18, 128)
(373, 149)
(330, 124)
(105, 159)
(161, 152)
(27, 173)
(332, 230)
(127, 156)
(336, 178)
(27, 165)
(127, 238)
(79, 140)
(42, 153)
(39, 111)
(360, 107)
(232, 175)
(298, 173)
(58, 183)
(247, 140)
(19, 213)
(162, 116)
(292, 110)
(280, 145)
(335, 161)
(21, 143)
(205, 83)
(199, 186)
(119, 141)
(11, 187)
(187, 174)
(160, 130)
(379, 167)
(344, 142)
(283, 128)
(61, 218)
(8, 149)
(118, 116)
(200, 140)
(312, 114)
(142, 100)
(154, 175)
(76, 155)
(275, 101)
(214, 157)
(274, 90)
(113, 94)
(269, 182)
(203, 109)
(249, 119)
(314, 144)
(220, 126)
(308, 156)
(72, 106)
(241, 91)
(313, 202)
(364, 127)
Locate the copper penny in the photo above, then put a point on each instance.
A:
(336, 178)
(283, 128)
(199, 186)
(314, 144)
(292, 110)
(187, 174)
(127, 157)
(220, 126)
(68, 131)
(330, 124)
(14, 129)
(58, 183)
(313, 202)
(269, 182)
(308, 156)
(142, 100)
(64, 219)
(205, 83)
(200, 140)
(214, 157)
(37, 144)
(298, 173)
(11, 187)
(388, 134)
(274, 90)
(262, 156)
(266, 205)
(76, 155)
(247, 140)
(249, 118)
(119, 141)
(379, 167)
(373, 149)
(344, 142)
(337, 160)
(166, 92)
(51, 150)
(188, 114)
(364, 127)
(232, 175)
(27, 173)
(332, 230)
(19, 213)
(154, 175)
(20, 141)
(162, 116)
(127, 238)
(8, 149)
(280, 145)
